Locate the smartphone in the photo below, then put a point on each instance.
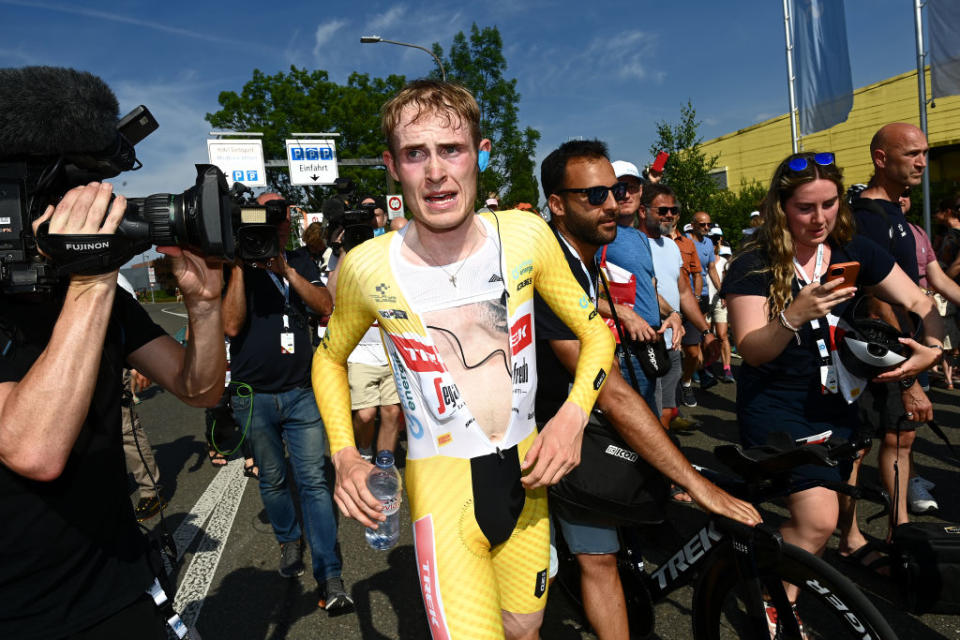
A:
(846, 271)
(660, 162)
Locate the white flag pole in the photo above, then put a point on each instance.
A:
(922, 93)
(791, 79)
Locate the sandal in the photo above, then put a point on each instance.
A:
(676, 493)
(869, 557)
(217, 459)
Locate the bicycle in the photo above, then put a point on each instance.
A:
(740, 570)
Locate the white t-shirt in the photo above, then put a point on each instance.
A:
(721, 264)
(667, 263)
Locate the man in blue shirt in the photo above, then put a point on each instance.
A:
(703, 243)
(630, 251)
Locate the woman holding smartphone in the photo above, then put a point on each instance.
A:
(778, 299)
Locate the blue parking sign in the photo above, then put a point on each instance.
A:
(296, 153)
(326, 153)
(238, 175)
(312, 153)
(252, 175)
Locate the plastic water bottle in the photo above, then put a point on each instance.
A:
(384, 483)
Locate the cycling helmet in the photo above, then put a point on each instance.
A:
(869, 346)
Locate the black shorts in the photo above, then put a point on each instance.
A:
(881, 408)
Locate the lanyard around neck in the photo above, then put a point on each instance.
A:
(576, 254)
(816, 267)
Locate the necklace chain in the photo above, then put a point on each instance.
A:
(452, 277)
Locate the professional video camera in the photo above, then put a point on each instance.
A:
(59, 128)
(256, 225)
(357, 224)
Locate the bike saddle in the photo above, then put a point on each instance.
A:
(776, 458)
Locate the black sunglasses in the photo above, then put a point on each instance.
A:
(801, 162)
(598, 195)
(674, 210)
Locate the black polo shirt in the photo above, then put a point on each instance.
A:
(255, 355)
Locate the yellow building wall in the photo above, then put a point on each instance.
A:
(754, 152)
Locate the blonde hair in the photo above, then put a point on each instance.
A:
(446, 99)
(773, 237)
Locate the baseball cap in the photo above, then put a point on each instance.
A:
(715, 231)
(725, 251)
(492, 202)
(754, 214)
(687, 227)
(623, 168)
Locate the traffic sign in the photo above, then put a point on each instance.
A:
(240, 161)
(312, 161)
(151, 276)
(394, 206)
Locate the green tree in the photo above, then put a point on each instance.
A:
(478, 64)
(731, 209)
(308, 101)
(688, 169)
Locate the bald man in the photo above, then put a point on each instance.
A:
(899, 154)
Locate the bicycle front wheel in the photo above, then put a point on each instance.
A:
(829, 605)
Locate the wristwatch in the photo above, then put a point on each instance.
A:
(906, 383)
(705, 333)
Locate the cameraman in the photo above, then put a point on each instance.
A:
(73, 560)
(265, 314)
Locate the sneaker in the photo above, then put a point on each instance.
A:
(687, 397)
(727, 376)
(927, 484)
(149, 507)
(707, 380)
(919, 499)
(683, 424)
(336, 600)
(291, 559)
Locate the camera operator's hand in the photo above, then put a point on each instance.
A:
(81, 212)
(200, 278)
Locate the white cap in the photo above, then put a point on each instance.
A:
(754, 214)
(725, 251)
(715, 231)
(492, 202)
(623, 168)
(687, 227)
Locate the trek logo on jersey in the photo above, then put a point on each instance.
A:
(521, 335)
(418, 356)
(520, 373)
(393, 314)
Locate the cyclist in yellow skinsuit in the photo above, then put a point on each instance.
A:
(453, 294)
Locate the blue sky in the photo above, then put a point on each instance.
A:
(593, 69)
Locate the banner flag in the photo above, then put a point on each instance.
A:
(943, 26)
(824, 84)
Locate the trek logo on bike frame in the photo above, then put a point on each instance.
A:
(692, 551)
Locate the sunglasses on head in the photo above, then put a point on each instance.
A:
(802, 162)
(598, 195)
(673, 211)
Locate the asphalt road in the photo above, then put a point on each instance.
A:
(229, 587)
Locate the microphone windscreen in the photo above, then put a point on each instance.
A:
(332, 209)
(53, 111)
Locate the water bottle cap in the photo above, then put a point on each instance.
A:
(384, 459)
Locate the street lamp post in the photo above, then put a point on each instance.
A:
(376, 39)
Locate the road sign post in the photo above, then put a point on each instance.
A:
(312, 162)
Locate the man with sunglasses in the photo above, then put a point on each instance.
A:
(583, 219)
(630, 251)
(899, 155)
(708, 273)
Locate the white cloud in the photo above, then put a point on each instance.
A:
(387, 20)
(325, 32)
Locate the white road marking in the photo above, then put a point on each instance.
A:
(220, 502)
(174, 313)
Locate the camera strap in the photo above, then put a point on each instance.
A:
(87, 254)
